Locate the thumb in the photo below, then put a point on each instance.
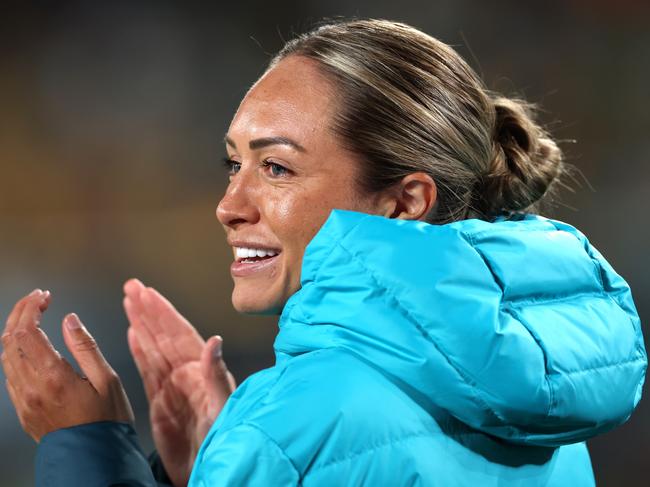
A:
(85, 351)
(218, 380)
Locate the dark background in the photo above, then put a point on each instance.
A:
(111, 121)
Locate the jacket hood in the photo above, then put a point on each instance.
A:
(519, 327)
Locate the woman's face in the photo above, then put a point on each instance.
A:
(288, 171)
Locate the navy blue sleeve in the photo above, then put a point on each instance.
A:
(99, 454)
(158, 469)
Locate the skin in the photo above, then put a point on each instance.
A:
(278, 198)
(185, 378)
(46, 391)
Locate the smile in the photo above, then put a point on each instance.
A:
(250, 261)
(245, 253)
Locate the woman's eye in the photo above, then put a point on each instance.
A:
(231, 165)
(276, 170)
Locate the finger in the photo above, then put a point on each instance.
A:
(22, 333)
(85, 351)
(174, 347)
(33, 311)
(176, 337)
(131, 301)
(17, 311)
(132, 311)
(150, 380)
(132, 288)
(27, 348)
(219, 382)
(165, 420)
(156, 305)
(29, 353)
(157, 363)
(190, 382)
(174, 401)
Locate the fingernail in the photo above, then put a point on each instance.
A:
(72, 322)
(217, 351)
(35, 292)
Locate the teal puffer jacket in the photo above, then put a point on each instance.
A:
(472, 353)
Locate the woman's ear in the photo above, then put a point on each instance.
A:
(414, 197)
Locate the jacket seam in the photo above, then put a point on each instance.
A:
(262, 400)
(615, 295)
(470, 238)
(551, 393)
(532, 301)
(624, 363)
(252, 424)
(375, 447)
(456, 368)
(538, 341)
(272, 440)
(493, 231)
(317, 270)
(586, 246)
(256, 427)
(341, 237)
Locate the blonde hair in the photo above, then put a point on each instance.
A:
(410, 103)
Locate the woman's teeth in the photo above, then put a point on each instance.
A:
(248, 253)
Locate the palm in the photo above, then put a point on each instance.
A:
(186, 383)
(179, 418)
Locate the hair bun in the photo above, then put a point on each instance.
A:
(525, 162)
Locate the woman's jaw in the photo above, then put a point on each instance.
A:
(261, 281)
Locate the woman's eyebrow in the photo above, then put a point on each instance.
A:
(266, 141)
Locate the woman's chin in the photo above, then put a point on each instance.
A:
(254, 304)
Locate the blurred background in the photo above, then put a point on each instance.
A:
(112, 116)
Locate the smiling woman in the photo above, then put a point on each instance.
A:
(433, 329)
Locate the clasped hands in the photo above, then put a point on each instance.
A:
(185, 378)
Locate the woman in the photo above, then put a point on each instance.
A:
(435, 333)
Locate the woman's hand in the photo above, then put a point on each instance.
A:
(185, 378)
(45, 390)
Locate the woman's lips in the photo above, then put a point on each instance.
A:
(244, 268)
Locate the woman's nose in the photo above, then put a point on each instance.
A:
(237, 207)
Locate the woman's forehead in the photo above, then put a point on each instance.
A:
(293, 73)
(292, 99)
